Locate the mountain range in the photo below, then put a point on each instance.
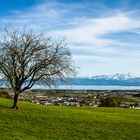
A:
(115, 79)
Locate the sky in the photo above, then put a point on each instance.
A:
(103, 35)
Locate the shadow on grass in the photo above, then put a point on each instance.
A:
(4, 106)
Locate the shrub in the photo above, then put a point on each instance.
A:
(111, 101)
(4, 94)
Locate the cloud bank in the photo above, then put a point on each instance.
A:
(106, 41)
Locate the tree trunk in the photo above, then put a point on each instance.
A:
(15, 105)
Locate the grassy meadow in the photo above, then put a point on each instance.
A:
(40, 122)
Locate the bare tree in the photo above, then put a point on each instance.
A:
(27, 58)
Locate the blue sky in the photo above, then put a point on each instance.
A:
(103, 35)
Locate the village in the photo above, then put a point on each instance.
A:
(63, 100)
(83, 98)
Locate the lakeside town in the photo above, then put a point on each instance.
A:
(79, 98)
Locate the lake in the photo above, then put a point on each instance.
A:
(92, 87)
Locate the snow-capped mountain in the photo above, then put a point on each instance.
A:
(116, 76)
(115, 79)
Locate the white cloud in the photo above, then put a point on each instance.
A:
(91, 30)
(86, 35)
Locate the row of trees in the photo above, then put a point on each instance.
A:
(111, 101)
(27, 58)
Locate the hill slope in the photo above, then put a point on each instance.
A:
(38, 122)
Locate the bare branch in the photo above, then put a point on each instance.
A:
(27, 58)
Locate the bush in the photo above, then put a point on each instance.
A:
(4, 94)
(111, 101)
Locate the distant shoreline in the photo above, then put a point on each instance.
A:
(89, 87)
(79, 91)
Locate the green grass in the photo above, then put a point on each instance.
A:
(38, 122)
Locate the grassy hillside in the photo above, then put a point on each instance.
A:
(38, 122)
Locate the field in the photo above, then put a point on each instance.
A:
(40, 122)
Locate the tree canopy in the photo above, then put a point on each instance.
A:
(27, 58)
